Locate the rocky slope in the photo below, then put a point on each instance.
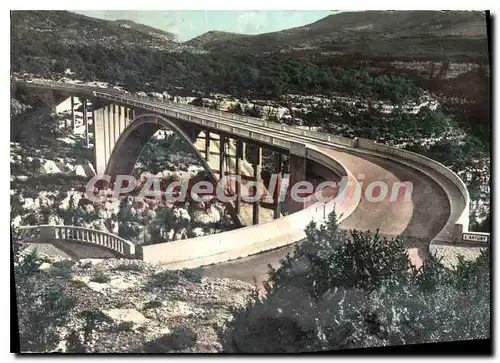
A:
(123, 306)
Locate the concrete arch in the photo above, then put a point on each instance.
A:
(132, 141)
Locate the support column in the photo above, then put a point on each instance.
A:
(276, 196)
(127, 116)
(222, 155)
(297, 166)
(117, 122)
(121, 119)
(85, 121)
(72, 114)
(207, 146)
(244, 153)
(256, 161)
(99, 141)
(131, 114)
(108, 116)
(239, 155)
(106, 130)
(113, 127)
(49, 98)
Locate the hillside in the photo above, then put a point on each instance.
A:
(456, 35)
(43, 37)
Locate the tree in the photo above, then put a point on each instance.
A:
(198, 101)
(235, 108)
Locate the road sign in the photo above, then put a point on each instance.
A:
(472, 237)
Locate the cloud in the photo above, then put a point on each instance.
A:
(251, 21)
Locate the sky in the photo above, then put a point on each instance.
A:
(191, 23)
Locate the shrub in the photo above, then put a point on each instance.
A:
(129, 267)
(164, 278)
(100, 277)
(192, 275)
(179, 338)
(339, 291)
(42, 306)
(125, 326)
(152, 304)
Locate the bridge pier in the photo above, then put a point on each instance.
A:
(222, 155)
(276, 196)
(85, 121)
(100, 157)
(109, 123)
(239, 155)
(72, 114)
(256, 165)
(298, 172)
(207, 146)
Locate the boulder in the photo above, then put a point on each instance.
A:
(121, 315)
(49, 167)
(182, 214)
(80, 171)
(210, 216)
(69, 167)
(45, 266)
(198, 232)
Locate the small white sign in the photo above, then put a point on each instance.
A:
(469, 237)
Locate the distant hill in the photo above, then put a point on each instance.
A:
(146, 29)
(454, 35)
(207, 39)
(35, 30)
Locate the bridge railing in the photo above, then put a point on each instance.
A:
(49, 233)
(245, 119)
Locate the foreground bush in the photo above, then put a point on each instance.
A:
(42, 305)
(359, 290)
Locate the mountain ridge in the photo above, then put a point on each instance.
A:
(367, 32)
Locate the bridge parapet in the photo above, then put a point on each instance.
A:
(51, 233)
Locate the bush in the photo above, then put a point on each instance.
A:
(100, 278)
(164, 278)
(192, 275)
(129, 267)
(152, 304)
(339, 291)
(42, 306)
(179, 338)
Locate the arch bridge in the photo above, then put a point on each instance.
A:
(122, 125)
